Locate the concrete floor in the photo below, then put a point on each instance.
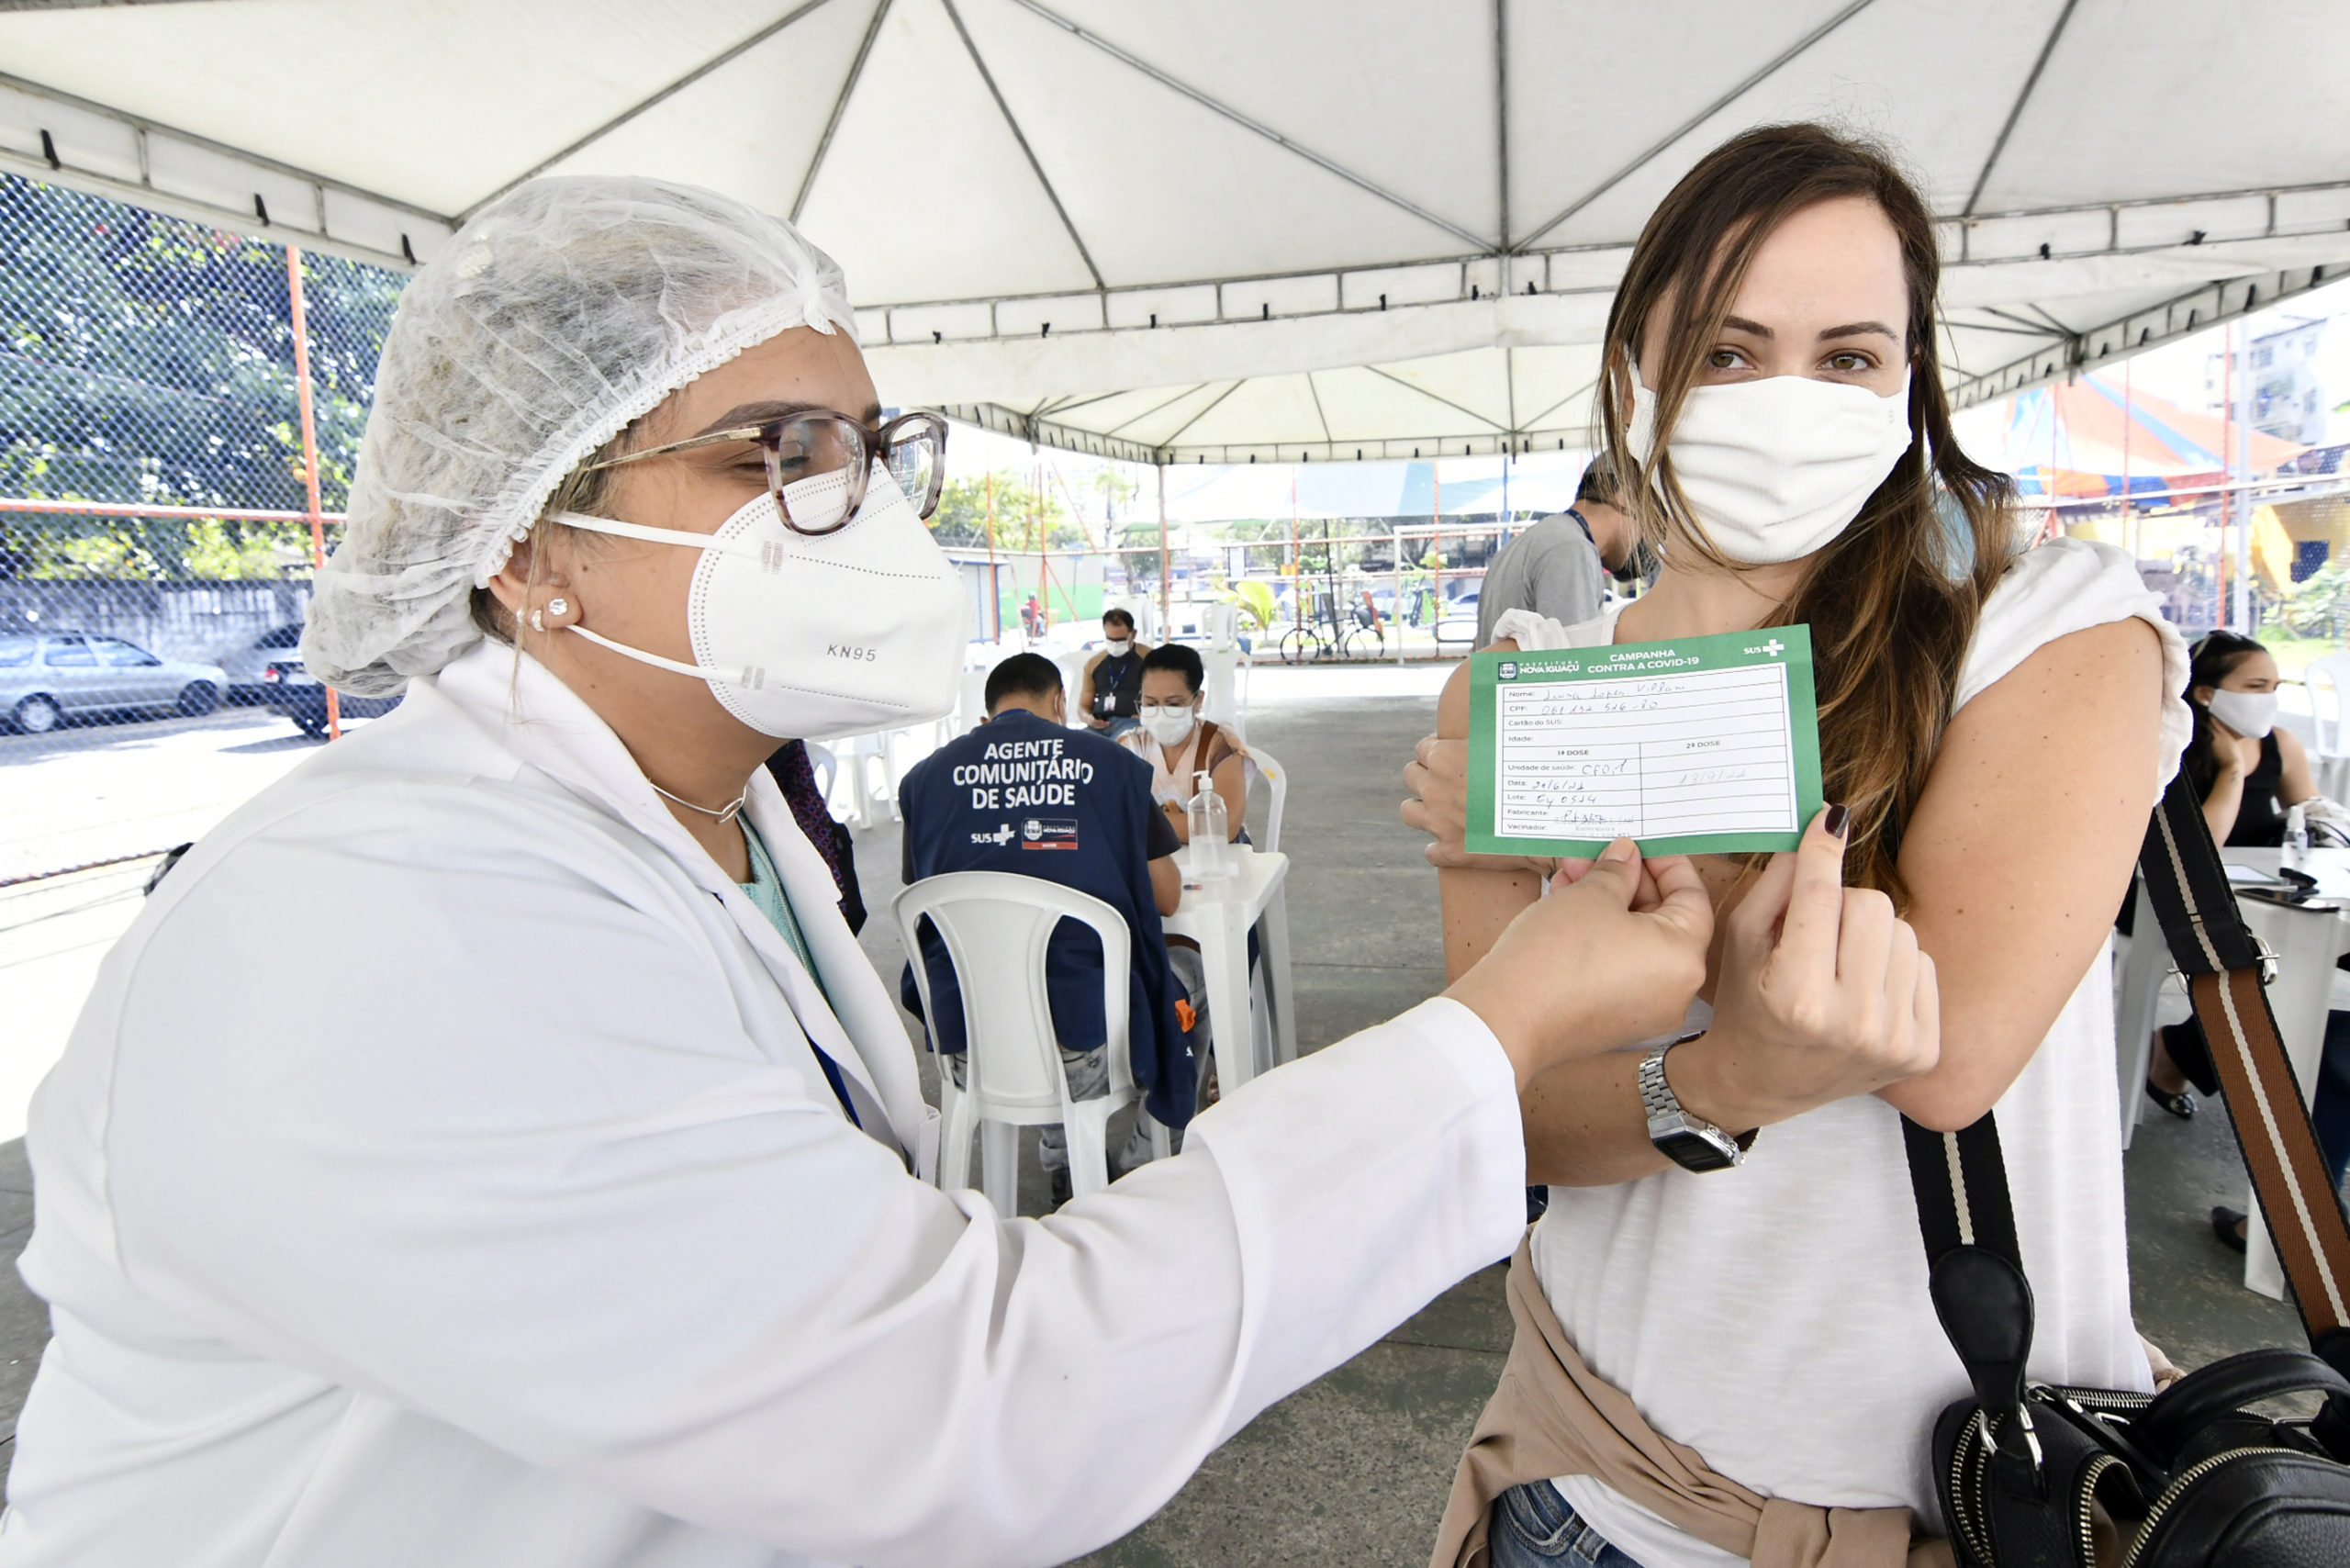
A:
(1354, 1468)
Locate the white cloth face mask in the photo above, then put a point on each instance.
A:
(1776, 468)
(2250, 714)
(1119, 646)
(810, 638)
(1170, 726)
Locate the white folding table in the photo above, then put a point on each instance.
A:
(1218, 916)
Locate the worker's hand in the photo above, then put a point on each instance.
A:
(1824, 995)
(1093, 723)
(1612, 959)
(1437, 777)
(2239, 754)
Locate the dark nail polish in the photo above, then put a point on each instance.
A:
(1838, 819)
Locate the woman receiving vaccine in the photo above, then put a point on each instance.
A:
(561, 1203)
(1999, 727)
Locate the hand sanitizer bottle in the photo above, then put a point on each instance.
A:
(1210, 832)
(2297, 839)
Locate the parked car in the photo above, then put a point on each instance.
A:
(245, 665)
(1457, 623)
(294, 691)
(47, 677)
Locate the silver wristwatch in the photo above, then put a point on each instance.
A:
(1690, 1142)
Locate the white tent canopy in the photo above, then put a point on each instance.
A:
(1232, 229)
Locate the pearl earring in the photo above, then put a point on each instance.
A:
(538, 621)
(558, 607)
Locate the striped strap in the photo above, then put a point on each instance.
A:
(2216, 951)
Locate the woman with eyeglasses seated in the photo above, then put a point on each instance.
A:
(1180, 745)
(2250, 772)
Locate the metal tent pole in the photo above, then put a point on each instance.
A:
(310, 450)
(2129, 417)
(2220, 614)
(1166, 605)
(2242, 334)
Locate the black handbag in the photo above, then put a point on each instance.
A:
(2192, 1477)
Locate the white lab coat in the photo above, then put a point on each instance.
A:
(440, 1175)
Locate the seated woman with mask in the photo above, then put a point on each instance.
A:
(560, 1203)
(1180, 745)
(1770, 368)
(2248, 772)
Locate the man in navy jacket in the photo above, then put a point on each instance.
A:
(1026, 794)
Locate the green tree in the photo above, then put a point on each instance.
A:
(149, 360)
(1022, 520)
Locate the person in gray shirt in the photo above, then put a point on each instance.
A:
(1559, 567)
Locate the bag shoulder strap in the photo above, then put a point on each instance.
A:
(2212, 945)
(1964, 1214)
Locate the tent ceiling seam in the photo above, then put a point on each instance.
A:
(840, 108)
(1218, 106)
(1583, 391)
(1010, 120)
(145, 127)
(1757, 78)
(2015, 111)
(1320, 418)
(1203, 413)
(1951, 326)
(1440, 397)
(1360, 269)
(2159, 324)
(643, 105)
(2062, 329)
(1154, 408)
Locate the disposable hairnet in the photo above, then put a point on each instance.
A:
(553, 320)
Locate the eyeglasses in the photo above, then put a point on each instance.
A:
(1151, 708)
(819, 464)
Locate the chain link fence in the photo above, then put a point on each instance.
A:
(157, 538)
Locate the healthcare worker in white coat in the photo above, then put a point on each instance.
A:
(483, 1152)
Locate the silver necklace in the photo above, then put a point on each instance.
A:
(724, 815)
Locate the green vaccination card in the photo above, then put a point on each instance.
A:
(1698, 746)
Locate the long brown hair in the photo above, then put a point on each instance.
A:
(1892, 600)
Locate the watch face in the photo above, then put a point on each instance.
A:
(1694, 1151)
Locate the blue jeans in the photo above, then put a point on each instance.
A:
(1532, 1525)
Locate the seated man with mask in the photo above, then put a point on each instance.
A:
(1108, 695)
(1026, 794)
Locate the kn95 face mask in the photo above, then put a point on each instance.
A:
(2250, 714)
(809, 638)
(1776, 468)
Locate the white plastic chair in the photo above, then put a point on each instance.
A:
(867, 800)
(996, 926)
(1229, 672)
(971, 708)
(2327, 681)
(822, 764)
(1262, 763)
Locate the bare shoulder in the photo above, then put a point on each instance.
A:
(2119, 661)
(1452, 703)
(2079, 720)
